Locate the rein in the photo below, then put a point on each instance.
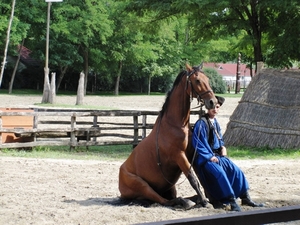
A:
(158, 157)
(157, 153)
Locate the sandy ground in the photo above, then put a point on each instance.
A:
(51, 191)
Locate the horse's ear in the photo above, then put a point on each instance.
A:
(188, 67)
(200, 66)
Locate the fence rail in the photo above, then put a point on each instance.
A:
(77, 128)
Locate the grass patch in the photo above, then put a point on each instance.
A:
(114, 152)
(262, 153)
(121, 152)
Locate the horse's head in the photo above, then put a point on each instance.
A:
(200, 87)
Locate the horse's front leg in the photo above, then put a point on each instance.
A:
(185, 167)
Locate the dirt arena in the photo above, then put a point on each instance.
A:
(52, 191)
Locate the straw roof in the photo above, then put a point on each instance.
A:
(268, 114)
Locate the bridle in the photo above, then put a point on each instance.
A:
(193, 91)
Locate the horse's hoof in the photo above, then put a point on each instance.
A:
(188, 204)
(203, 203)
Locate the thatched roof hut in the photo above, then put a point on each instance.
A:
(268, 114)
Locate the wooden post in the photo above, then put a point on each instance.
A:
(135, 131)
(238, 75)
(72, 135)
(95, 124)
(144, 118)
(259, 67)
(35, 124)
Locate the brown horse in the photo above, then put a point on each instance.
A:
(156, 163)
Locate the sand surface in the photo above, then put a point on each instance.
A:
(56, 191)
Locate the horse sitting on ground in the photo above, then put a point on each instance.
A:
(156, 163)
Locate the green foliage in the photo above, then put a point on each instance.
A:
(148, 42)
(215, 80)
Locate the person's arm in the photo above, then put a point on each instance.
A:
(200, 141)
(220, 143)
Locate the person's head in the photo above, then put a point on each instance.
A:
(213, 112)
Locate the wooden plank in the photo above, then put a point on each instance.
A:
(102, 143)
(76, 114)
(255, 217)
(9, 122)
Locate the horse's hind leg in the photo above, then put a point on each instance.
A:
(132, 186)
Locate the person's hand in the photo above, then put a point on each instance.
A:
(214, 159)
(223, 151)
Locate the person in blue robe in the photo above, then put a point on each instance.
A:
(222, 180)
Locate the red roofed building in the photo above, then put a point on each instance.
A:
(228, 72)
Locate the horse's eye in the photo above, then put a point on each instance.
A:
(198, 81)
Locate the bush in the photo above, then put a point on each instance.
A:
(215, 80)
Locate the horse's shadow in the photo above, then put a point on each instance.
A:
(113, 202)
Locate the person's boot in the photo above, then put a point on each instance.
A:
(246, 200)
(217, 204)
(234, 206)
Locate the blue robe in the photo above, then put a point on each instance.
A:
(222, 180)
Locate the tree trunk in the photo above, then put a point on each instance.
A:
(11, 83)
(251, 70)
(86, 68)
(80, 90)
(63, 71)
(46, 91)
(52, 95)
(118, 78)
(7, 39)
(149, 84)
(255, 25)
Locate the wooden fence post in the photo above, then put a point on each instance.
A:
(135, 131)
(35, 125)
(95, 124)
(72, 135)
(144, 120)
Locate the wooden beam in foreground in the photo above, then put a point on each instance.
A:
(255, 217)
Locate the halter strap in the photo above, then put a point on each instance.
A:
(199, 96)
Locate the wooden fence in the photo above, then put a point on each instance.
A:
(77, 128)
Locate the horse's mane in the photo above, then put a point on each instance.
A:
(175, 84)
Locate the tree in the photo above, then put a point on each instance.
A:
(283, 39)
(217, 19)
(7, 39)
(85, 25)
